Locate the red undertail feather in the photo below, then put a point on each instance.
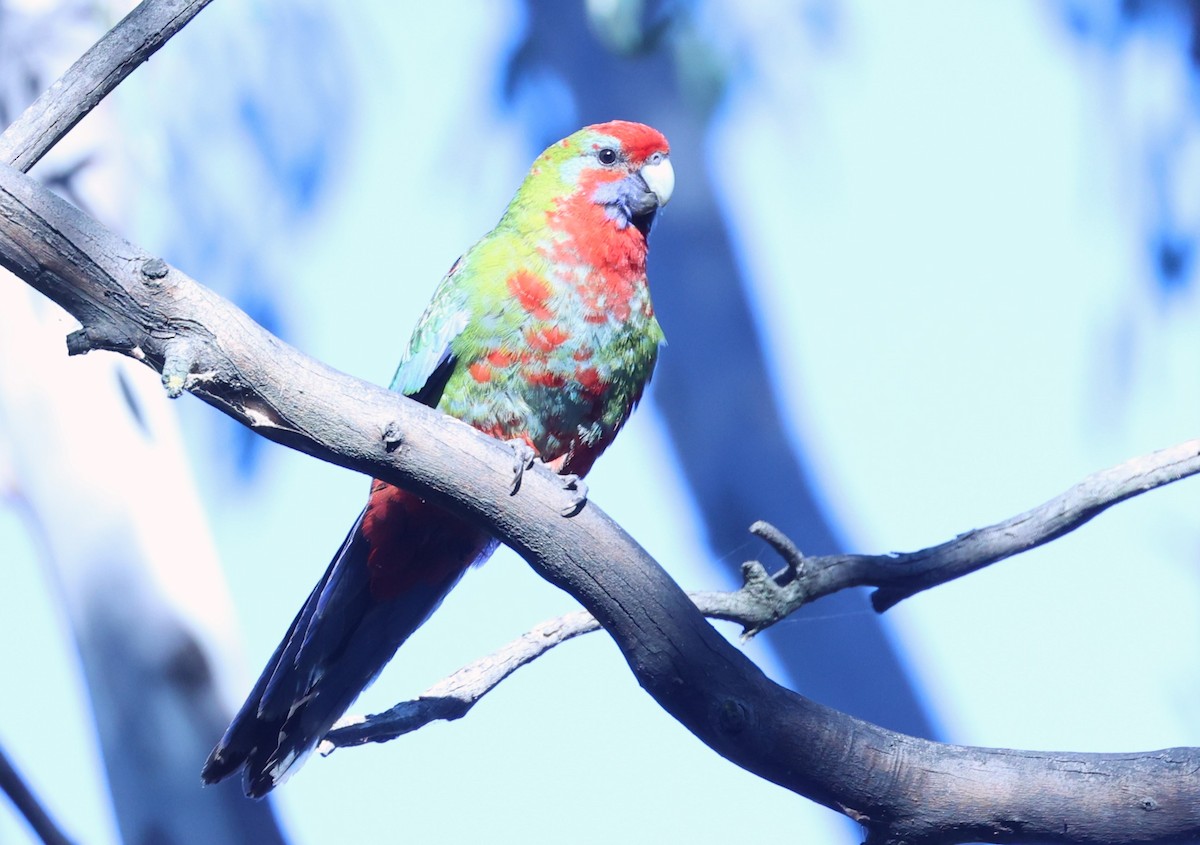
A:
(412, 542)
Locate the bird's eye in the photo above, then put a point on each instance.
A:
(607, 156)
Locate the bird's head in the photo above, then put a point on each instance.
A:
(629, 165)
(622, 167)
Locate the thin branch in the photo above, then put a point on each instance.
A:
(899, 576)
(452, 697)
(901, 788)
(93, 76)
(22, 797)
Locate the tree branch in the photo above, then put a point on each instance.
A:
(452, 697)
(901, 788)
(93, 76)
(903, 575)
(764, 599)
(22, 797)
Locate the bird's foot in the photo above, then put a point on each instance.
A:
(578, 486)
(523, 457)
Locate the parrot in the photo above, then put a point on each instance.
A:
(542, 334)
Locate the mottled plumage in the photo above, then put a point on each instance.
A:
(542, 332)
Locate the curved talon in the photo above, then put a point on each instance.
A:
(577, 484)
(523, 457)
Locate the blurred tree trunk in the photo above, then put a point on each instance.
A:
(97, 462)
(712, 384)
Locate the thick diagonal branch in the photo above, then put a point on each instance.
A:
(901, 788)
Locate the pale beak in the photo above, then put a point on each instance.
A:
(659, 177)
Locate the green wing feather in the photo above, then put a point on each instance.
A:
(430, 360)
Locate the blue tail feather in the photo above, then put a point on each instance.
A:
(336, 646)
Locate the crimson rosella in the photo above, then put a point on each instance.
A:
(542, 333)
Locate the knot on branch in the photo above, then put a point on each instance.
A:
(392, 436)
(733, 716)
(97, 337)
(154, 270)
(178, 369)
(767, 598)
(78, 342)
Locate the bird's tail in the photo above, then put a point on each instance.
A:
(397, 564)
